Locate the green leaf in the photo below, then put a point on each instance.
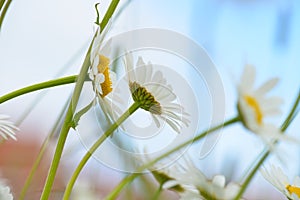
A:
(78, 115)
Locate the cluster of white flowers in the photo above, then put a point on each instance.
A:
(152, 92)
(148, 87)
(191, 184)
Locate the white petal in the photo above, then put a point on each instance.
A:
(107, 50)
(156, 120)
(140, 62)
(100, 78)
(231, 190)
(113, 77)
(95, 65)
(141, 73)
(91, 75)
(247, 78)
(129, 67)
(266, 87)
(173, 125)
(219, 180)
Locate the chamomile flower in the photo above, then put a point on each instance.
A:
(197, 186)
(7, 128)
(281, 182)
(255, 106)
(102, 77)
(100, 73)
(5, 192)
(162, 171)
(150, 89)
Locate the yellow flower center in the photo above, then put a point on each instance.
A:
(255, 106)
(103, 68)
(293, 189)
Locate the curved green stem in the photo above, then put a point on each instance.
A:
(158, 192)
(1, 4)
(128, 179)
(38, 86)
(4, 11)
(72, 106)
(111, 9)
(41, 153)
(95, 146)
(64, 131)
(266, 152)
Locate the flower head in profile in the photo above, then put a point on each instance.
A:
(5, 192)
(184, 178)
(281, 182)
(150, 89)
(100, 73)
(255, 106)
(102, 77)
(7, 128)
(197, 186)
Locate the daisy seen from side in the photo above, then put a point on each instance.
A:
(153, 93)
(197, 186)
(280, 181)
(254, 106)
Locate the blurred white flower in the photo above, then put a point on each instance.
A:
(7, 128)
(197, 186)
(84, 190)
(191, 184)
(5, 192)
(254, 105)
(280, 181)
(150, 89)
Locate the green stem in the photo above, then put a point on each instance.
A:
(4, 11)
(65, 128)
(38, 86)
(290, 117)
(95, 146)
(131, 177)
(158, 192)
(73, 104)
(41, 154)
(1, 4)
(266, 152)
(111, 9)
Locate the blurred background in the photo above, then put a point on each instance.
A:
(42, 40)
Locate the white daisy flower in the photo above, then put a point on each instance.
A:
(102, 77)
(197, 186)
(99, 72)
(162, 171)
(7, 128)
(254, 106)
(280, 181)
(150, 89)
(5, 192)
